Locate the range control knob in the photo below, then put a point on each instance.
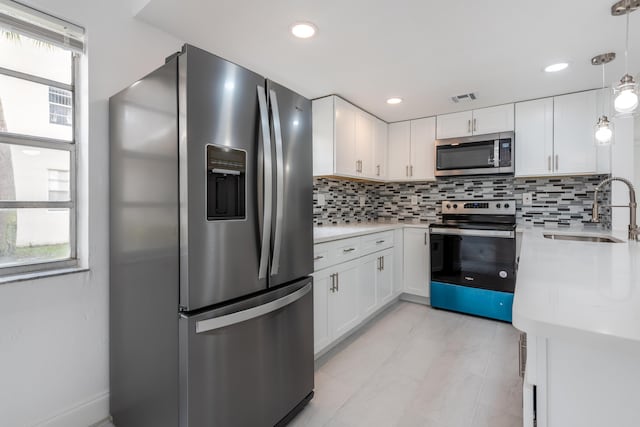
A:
(498, 205)
(506, 205)
(448, 206)
(455, 206)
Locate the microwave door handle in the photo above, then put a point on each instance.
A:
(277, 130)
(267, 183)
(496, 153)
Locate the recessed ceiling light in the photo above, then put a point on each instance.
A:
(553, 68)
(303, 30)
(393, 101)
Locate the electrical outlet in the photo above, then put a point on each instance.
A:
(527, 199)
(321, 200)
(363, 201)
(414, 200)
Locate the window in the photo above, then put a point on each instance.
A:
(38, 61)
(60, 111)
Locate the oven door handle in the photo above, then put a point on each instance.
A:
(504, 234)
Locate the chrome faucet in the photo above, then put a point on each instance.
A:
(634, 232)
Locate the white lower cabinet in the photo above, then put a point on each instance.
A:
(322, 282)
(347, 293)
(367, 284)
(384, 277)
(417, 265)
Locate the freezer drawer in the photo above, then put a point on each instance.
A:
(248, 364)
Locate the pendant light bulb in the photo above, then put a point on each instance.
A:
(626, 92)
(626, 95)
(604, 131)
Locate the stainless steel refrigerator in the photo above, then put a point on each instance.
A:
(211, 241)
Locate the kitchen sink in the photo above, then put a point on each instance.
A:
(581, 238)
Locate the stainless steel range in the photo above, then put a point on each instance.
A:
(473, 258)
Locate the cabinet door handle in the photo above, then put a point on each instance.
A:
(406, 172)
(378, 170)
(337, 282)
(346, 251)
(557, 157)
(425, 239)
(382, 262)
(379, 241)
(549, 163)
(379, 267)
(474, 125)
(469, 126)
(318, 257)
(333, 283)
(411, 170)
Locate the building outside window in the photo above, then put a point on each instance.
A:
(37, 140)
(60, 106)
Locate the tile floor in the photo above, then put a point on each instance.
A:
(417, 366)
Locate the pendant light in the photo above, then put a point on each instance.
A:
(626, 92)
(603, 130)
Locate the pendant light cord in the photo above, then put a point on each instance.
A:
(626, 47)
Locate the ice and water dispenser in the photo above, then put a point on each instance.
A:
(226, 174)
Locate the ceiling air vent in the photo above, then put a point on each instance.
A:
(465, 97)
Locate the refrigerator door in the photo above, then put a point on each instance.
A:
(250, 363)
(223, 193)
(292, 229)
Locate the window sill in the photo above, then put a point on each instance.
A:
(41, 274)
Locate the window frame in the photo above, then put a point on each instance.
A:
(57, 144)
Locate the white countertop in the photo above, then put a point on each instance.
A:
(327, 233)
(582, 290)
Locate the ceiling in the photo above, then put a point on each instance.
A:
(423, 51)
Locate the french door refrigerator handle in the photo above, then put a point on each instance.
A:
(250, 313)
(268, 184)
(277, 130)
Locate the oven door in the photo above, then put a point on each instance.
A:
(477, 258)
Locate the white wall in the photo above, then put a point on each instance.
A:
(54, 332)
(622, 165)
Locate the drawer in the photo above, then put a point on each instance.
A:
(376, 242)
(321, 256)
(346, 250)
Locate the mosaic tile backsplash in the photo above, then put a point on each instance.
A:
(564, 201)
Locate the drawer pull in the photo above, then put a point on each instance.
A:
(318, 257)
(346, 251)
(379, 241)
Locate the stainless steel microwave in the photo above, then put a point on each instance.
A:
(476, 155)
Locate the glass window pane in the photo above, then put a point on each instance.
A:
(33, 109)
(34, 174)
(33, 235)
(21, 53)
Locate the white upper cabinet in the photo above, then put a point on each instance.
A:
(534, 137)
(493, 119)
(574, 116)
(554, 136)
(347, 141)
(476, 122)
(345, 138)
(364, 144)
(411, 150)
(455, 125)
(399, 151)
(423, 135)
(380, 139)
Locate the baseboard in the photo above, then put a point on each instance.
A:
(91, 412)
(415, 299)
